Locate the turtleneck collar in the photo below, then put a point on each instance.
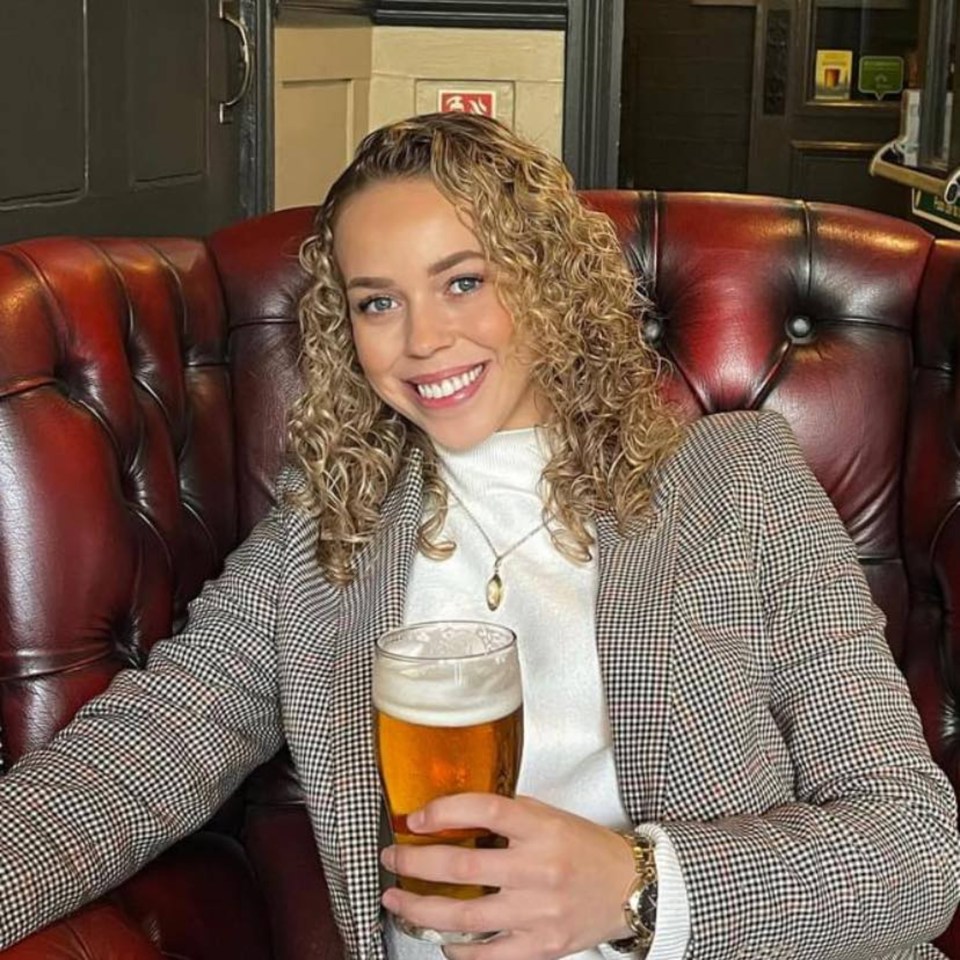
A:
(506, 461)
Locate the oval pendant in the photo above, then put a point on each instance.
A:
(494, 591)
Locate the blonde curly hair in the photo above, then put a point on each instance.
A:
(561, 274)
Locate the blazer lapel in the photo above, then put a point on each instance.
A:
(372, 604)
(634, 632)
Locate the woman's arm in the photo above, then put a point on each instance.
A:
(867, 861)
(151, 758)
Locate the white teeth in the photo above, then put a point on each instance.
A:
(449, 386)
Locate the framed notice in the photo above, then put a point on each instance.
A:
(881, 76)
(832, 75)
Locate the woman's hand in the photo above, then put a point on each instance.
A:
(562, 879)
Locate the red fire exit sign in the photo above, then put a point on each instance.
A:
(468, 101)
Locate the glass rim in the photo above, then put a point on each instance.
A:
(509, 637)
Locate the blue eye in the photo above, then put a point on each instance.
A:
(467, 284)
(379, 304)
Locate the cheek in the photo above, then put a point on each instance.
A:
(495, 328)
(368, 351)
(506, 340)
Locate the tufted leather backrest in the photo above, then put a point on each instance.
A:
(262, 282)
(838, 319)
(117, 494)
(143, 390)
(804, 309)
(844, 321)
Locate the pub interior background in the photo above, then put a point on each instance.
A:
(176, 117)
(133, 117)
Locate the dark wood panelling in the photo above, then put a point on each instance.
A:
(255, 120)
(820, 149)
(43, 157)
(166, 119)
(776, 62)
(687, 81)
(109, 117)
(350, 7)
(837, 173)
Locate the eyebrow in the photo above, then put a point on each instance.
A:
(444, 264)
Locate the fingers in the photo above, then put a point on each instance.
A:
(480, 915)
(504, 867)
(514, 818)
(560, 879)
(447, 863)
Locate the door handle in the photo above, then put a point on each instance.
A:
(884, 164)
(246, 62)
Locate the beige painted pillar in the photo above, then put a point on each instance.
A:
(321, 103)
(338, 78)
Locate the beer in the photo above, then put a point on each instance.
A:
(448, 718)
(421, 761)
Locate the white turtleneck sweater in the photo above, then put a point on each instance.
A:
(548, 601)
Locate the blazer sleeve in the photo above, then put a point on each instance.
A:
(151, 758)
(866, 861)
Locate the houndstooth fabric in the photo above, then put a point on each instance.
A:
(757, 714)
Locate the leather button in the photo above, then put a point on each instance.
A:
(652, 331)
(800, 328)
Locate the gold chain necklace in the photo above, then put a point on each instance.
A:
(495, 586)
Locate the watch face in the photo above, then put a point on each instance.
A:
(647, 907)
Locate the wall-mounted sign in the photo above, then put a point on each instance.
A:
(832, 75)
(483, 102)
(933, 208)
(880, 76)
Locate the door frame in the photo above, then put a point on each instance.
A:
(256, 111)
(591, 97)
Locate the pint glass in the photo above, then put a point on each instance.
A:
(448, 718)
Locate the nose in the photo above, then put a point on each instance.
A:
(428, 330)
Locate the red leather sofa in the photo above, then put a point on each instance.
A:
(143, 385)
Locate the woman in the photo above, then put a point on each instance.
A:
(704, 669)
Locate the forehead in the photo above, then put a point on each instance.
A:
(392, 203)
(396, 218)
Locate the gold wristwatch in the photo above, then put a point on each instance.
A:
(640, 903)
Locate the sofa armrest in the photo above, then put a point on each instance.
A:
(200, 900)
(99, 931)
(279, 842)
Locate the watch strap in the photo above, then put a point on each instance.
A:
(640, 902)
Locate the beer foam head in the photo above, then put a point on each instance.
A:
(435, 677)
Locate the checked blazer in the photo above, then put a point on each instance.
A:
(756, 712)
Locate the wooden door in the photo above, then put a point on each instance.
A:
(686, 94)
(110, 121)
(802, 145)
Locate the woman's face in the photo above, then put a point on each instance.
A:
(431, 334)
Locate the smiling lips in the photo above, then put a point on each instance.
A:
(449, 390)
